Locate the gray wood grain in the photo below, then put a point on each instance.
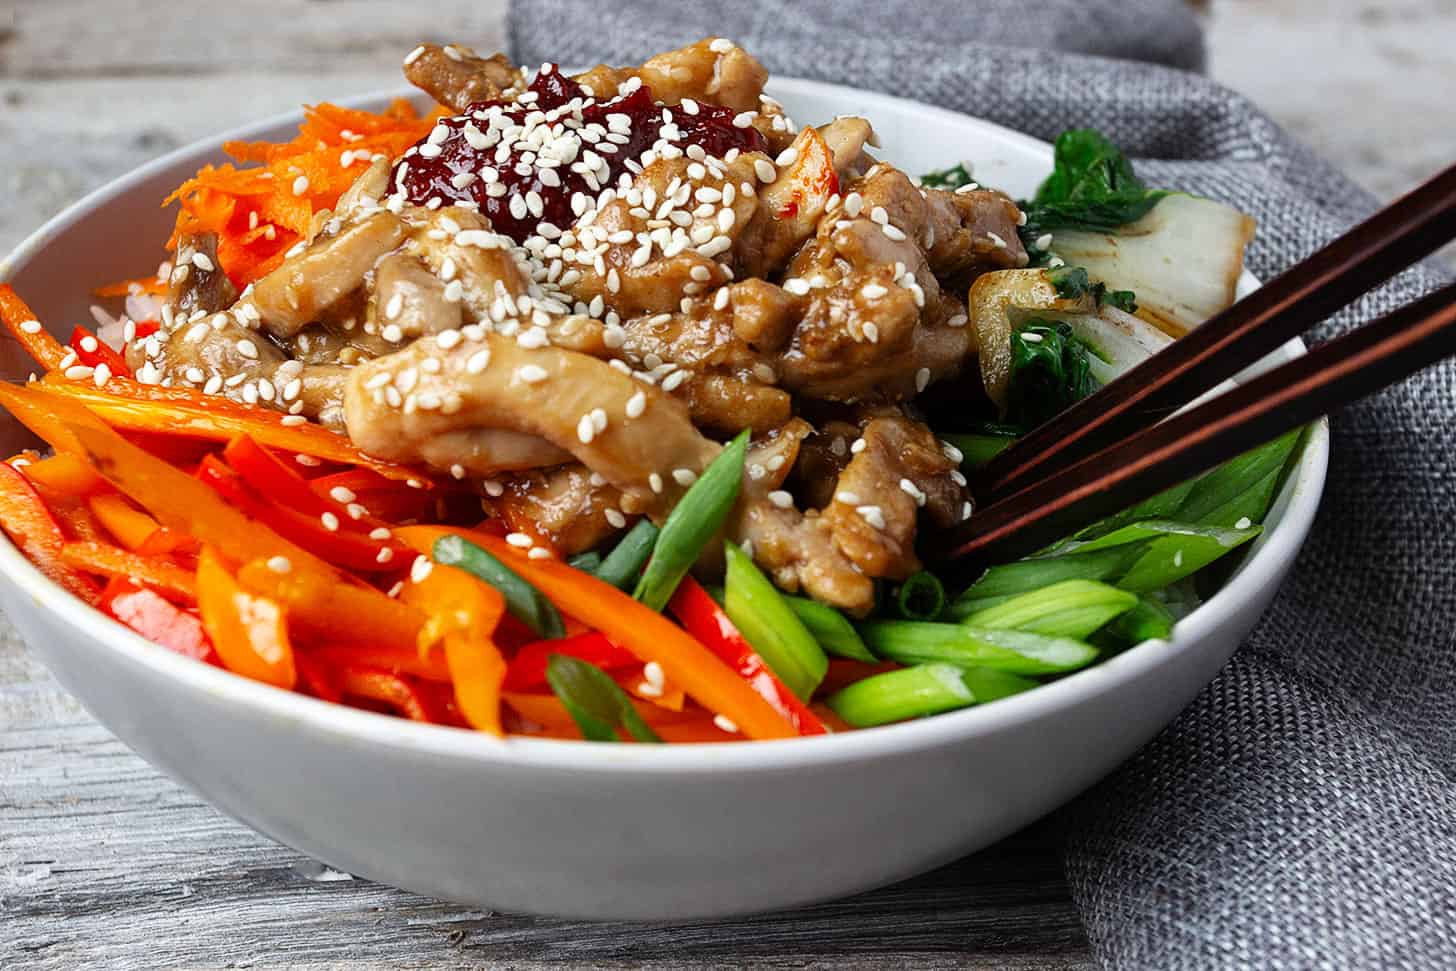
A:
(106, 864)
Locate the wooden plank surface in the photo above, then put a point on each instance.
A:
(106, 864)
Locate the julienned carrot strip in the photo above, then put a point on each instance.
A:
(387, 688)
(30, 526)
(65, 474)
(463, 613)
(547, 710)
(132, 406)
(163, 576)
(336, 613)
(20, 320)
(174, 498)
(131, 527)
(641, 630)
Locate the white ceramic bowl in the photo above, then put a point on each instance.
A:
(610, 831)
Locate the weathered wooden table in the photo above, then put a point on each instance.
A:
(105, 863)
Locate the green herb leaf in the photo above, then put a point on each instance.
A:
(951, 178)
(1050, 372)
(1092, 187)
(594, 701)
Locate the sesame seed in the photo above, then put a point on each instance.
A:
(952, 453)
(615, 518)
(684, 477)
(788, 156)
(922, 379)
(997, 240)
(872, 332)
(30, 326)
(879, 215)
(1043, 242)
(1030, 337)
(520, 540)
(765, 170)
(478, 361)
(726, 724)
(914, 491)
(872, 515)
(966, 510)
(893, 232)
(857, 446)
(300, 185)
(585, 431)
(873, 291)
(201, 261)
(959, 320)
(781, 499)
(414, 55)
(384, 555)
(674, 380)
(1244, 523)
(248, 349)
(798, 286)
(636, 405)
(847, 497)
(538, 553)
(532, 374)
(79, 372)
(421, 568)
(330, 521)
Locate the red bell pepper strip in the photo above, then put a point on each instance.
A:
(249, 632)
(340, 547)
(146, 328)
(30, 525)
(388, 689)
(386, 499)
(157, 619)
(158, 573)
(527, 670)
(701, 616)
(317, 678)
(93, 352)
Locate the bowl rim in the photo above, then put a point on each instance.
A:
(1268, 558)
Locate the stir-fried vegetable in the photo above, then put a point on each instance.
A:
(525, 602)
(1013, 651)
(624, 564)
(1072, 608)
(599, 708)
(771, 626)
(925, 689)
(1092, 187)
(835, 634)
(692, 524)
(921, 597)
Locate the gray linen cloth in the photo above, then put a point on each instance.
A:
(1300, 813)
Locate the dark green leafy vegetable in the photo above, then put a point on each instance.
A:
(1072, 608)
(1013, 651)
(525, 602)
(921, 597)
(594, 701)
(1050, 372)
(1241, 488)
(624, 564)
(1073, 283)
(1092, 187)
(927, 689)
(951, 178)
(976, 450)
(829, 627)
(693, 522)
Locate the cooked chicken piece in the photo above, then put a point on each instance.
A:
(763, 314)
(795, 548)
(971, 230)
(713, 71)
(846, 137)
(821, 458)
(208, 350)
(410, 297)
(899, 469)
(457, 77)
(368, 189)
(685, 220)
(724, 405)
(321, 392)
(197, 282)
(491, 450)
(789, 208)
(630, 433)
(567, 505)
(307, 284)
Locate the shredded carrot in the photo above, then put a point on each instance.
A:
(259, 212)
(21, 322)
(124, 288)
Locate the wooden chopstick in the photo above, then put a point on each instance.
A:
(1330, 375)
(1404, 232)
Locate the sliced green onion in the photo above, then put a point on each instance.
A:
(977, 450)
(693, 522)
(525, 602)
(624, 564)
(1172, 550)
(1013, 651)
(1000, 583)
(758, 610)
(1148, 620)
(921, 597)
(585, 562)
(1241, 488)
(594, 701)
(829, 627)
(1072, 608)
(927, 689)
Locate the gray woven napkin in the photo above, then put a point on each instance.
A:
(1301, 812)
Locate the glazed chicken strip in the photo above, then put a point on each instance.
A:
(713, 70)
(570, 506)
(458, 77)
(197, 282)
(404, 409)
(899, 471)
(307, 284)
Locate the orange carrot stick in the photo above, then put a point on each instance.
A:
(250, 633)
(157, 573)
(20, 320)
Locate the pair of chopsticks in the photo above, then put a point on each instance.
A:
(1119, 446)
